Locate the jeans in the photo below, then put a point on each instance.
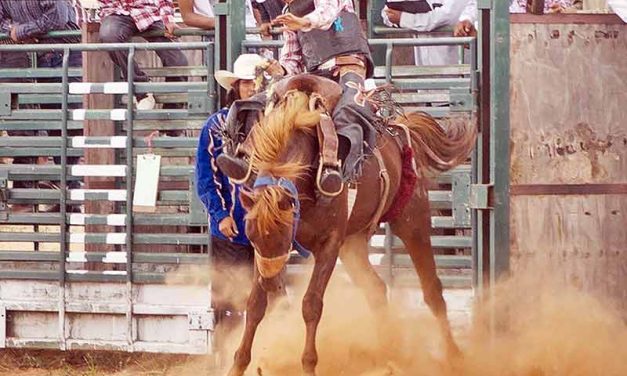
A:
(120, 29)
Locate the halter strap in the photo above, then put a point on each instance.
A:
(288, 185)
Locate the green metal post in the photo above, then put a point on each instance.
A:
(235, 12)
(374, 19)
(211, 83)
(130, 74)
(499, 135)
(65, 87)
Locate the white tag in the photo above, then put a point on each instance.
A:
(352, 197)
(369, 84)
(146, 183)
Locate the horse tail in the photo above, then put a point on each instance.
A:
(439, 149)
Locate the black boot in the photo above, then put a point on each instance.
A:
(235, 168)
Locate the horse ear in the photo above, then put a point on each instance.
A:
(246, 197)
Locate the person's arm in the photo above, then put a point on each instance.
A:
(208, 177)
(54, 16)
(470, 12)
(191, 18)
(291, 58)
(326, 12)
(466, 25)
(446, 15)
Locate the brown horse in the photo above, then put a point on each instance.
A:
(285, 149)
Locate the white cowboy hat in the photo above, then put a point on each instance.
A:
(243, 69)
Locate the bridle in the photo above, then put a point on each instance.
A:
(270, 266)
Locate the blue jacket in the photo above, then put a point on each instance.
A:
(220, 197)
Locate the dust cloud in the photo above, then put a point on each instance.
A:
(542, 328)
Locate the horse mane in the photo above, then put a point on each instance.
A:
(267, 212)
(272, 135)
(271, 139)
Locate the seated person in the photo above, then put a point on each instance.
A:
(122, 19)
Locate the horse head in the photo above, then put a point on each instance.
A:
(280, 160)
(271, 223)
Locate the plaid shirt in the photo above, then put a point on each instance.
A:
(322, 17)
(34, 18)
(143, 12)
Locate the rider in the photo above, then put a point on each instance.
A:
(324, 37)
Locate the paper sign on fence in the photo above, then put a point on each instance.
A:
(146, 183)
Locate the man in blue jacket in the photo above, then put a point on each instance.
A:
(232, 253)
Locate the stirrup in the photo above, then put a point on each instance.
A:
(321, 168)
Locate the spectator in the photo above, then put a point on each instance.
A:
(122, 19)
(267, 10)
(198, 13)
(28, 21)
(466, 27)
(442, 13)
(230, 246)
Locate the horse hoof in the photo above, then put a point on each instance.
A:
(235, 372)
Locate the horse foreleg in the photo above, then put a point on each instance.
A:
(312, 303)
(255, 310)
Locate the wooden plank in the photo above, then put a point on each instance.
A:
(569, 154)
(566, 19)
(567, 189)
(97, 67)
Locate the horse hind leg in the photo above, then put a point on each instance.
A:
(413, 227)
(354, 256)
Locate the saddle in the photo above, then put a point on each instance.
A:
(329, 90)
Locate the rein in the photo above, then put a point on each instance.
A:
(288, 185)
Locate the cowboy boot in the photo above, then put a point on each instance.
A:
(237, 166)
(329, 178)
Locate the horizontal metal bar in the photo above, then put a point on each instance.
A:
(437, 241)
(415, 42)
(386, 30)
(441, 261)
(34, 152)
(423, 70)
(32, 172)
(105, 46)
(98, 219)
(38, 72)
(13, 125)
(96, 141)
(48, 99)
(426, 83)
(94, 256)
(140, 87)
(410, 279)
(568, 189)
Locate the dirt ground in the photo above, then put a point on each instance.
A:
(544, 329)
